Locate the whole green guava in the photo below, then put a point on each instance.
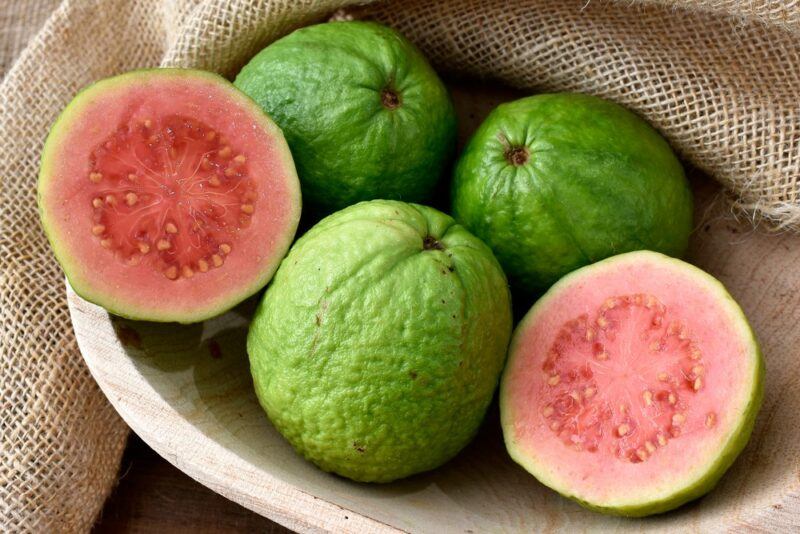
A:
(557, 181)
(363, 112)
(378, 346)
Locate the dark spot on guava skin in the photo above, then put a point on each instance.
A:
(430, 243)
(317, 320)
(451, 268)
(390, 99)
(777, 506)
(214, 349)
(443, 302)
(517, 155)
(461, 363)
(128, 336)
(358, 447)
(413, 375)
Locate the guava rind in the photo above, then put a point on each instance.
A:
(61, 130)
(322, 84)
(374, 356)
(598, 181)
(739, 437)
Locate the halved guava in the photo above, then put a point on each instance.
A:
(167, 195)
(632, 385)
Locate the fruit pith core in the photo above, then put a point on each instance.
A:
(593, 360)
(171, 192)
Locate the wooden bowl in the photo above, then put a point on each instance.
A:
(187, 392)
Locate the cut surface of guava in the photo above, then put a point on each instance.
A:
(167, 194)
(631, 385)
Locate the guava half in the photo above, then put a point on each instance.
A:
(378, 346)
(364, 113)
(167, 195)
(553, 182)
(632, 385)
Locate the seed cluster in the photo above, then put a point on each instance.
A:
(172, 192)
(658, 390)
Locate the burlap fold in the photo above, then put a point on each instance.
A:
(717, 77)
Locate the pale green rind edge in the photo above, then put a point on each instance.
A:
(704, 482)
(82, 287)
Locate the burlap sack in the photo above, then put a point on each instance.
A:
(718, 77)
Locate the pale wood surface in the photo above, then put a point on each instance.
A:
(186, 391)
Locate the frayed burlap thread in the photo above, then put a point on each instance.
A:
(717, 77)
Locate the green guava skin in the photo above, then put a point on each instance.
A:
(713, 472)
(375, 354)
(597, 181)
(322, 85)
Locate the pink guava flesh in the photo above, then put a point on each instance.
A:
(628, 380)
(169, 196)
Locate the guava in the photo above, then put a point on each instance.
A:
(167, 195)
(556, 181)
(364, 113)
(631, 385)
(378, 345)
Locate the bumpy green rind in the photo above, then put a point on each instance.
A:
(377, 355)
(70, 263)
(706, 480)
(598, 181)
(322, 84)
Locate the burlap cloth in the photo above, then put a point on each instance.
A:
(720, 78)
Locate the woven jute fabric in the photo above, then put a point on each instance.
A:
(717, 77)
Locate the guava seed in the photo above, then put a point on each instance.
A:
(711, 419)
